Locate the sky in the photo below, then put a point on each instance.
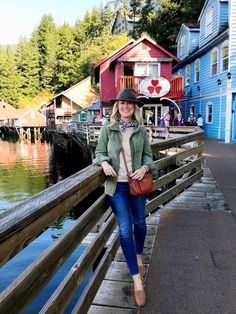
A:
(19, 18)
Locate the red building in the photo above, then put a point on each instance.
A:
(144, 66)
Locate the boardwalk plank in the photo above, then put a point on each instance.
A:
(95, 309)
(146, 256)
(118, 271)
(118, 294)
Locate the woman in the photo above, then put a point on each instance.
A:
(165, 120)
(127, 126)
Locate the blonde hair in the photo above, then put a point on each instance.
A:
(115, 115)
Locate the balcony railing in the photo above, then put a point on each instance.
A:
(176, 84)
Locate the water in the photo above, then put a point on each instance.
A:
(26, 169)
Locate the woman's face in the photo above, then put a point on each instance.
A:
(126, 110)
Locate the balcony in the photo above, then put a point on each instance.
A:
(64, 111)
(176, 85)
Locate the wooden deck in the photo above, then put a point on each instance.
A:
(116, 292)
(179, 161)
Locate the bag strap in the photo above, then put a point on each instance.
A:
(123, 154)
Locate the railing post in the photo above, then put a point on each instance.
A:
(199, 143)
(87, 133)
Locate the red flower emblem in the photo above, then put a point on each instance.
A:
(154, 87)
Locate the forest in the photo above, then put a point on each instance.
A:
(57, 57)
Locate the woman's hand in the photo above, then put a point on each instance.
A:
(139, 173)
(108, 169)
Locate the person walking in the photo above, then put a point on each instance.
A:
(126, 126)
(200, 121)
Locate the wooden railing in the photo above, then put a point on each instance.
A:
(89, 132)
(176, 84)
(179, 165)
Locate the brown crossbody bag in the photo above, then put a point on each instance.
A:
(138, 187)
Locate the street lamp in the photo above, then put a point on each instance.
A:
(229, 76)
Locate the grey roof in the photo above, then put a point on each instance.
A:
(192, 25)
(95, 106)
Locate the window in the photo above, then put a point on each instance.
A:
(209, 115)
(214, 61)
(224, 57)
(147, 69)
(187, 77)
(182, 44)
(196, 71)
(208, 23)
(180, 72)
(192, 109)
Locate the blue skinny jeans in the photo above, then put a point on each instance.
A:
(130, 216)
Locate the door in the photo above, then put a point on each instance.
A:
(152, 114)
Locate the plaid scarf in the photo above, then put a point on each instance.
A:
(124, 126)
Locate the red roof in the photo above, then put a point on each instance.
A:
(130, 45)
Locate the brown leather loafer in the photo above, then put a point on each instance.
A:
(141, 271)
(140, 297)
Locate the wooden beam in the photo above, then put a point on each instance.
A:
(172, 160)
(175, 174)
(84, 302)
(65, 291)
(21, 224)
(174, 191)
(23, 290)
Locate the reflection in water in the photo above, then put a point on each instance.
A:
(26, 169)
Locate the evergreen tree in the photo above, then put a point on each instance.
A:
(147, 17)
(135, 10)
(46, 37)
(27, 61)
(66, 71)
(97, 40)
(167, 22)
(10, 81)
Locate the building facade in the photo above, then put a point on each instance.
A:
(147, 68)
(123, 24)
(207, 53)
(64, 105)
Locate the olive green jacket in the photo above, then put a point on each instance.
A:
(109, 148)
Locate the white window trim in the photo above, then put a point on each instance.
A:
(182, 44)
(224, 44)
(208, 22)
(195, 73)
(207, 112)
(186, 82)
(147, 63)
(217, 54)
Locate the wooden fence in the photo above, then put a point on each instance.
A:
(89, 132)
(179, 165)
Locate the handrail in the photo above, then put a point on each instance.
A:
(23, 223)
(89, 132)
(176, 84)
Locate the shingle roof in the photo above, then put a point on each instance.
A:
(95, 106)
(192, 25)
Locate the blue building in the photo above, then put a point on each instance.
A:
(207, 53)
